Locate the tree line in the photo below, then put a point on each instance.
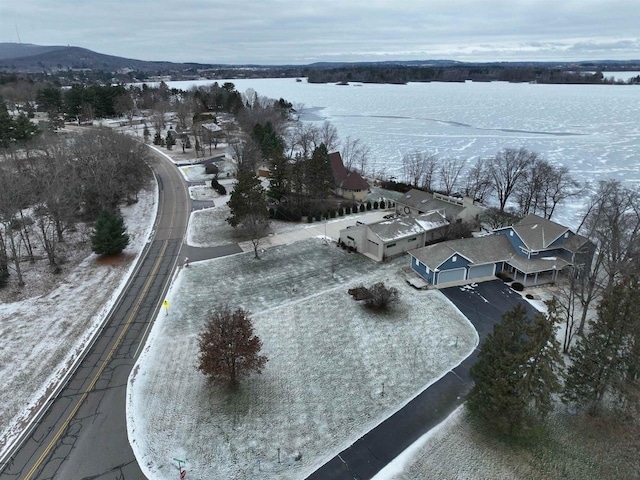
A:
(51, 184)
(520, 368)
(478, 73)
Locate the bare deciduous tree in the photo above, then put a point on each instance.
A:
(355, 155)
(450, 169)
(229, 350)
(507, 169)
(478, 182)
(419, 169)
(255, 226)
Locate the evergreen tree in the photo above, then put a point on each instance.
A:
(25, 129)
(171, 141)
(540, 377)
(279, 184)
(318, 174)
(270, 143)
(607, 360)
(515, 374)
(7, 125)
(109, 236)
(248, 197)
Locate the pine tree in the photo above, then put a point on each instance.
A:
(229, 349)
(607, 361)
(109, 236)
(248, 197)
(318, 174)
(515, 374)
(279, 172)
(540, 378)
(7, 126)
(25, 129)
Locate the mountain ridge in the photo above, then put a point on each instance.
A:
(31, 58)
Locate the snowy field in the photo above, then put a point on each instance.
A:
(43, 335)
(328, 360)
(575, 448)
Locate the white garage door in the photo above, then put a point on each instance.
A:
(451, 275)
(482, 271)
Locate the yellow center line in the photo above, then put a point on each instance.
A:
(65, 424)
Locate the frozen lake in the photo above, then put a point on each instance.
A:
(592, 129)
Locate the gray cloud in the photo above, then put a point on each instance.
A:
(303, 31)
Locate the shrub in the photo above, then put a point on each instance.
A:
(211, 169)
(375, 205)
(332, 213)
(517, 286)
(529, 296)
(288, 213)
(382, 204)
(504, 276)
(309, 218)
(218, 187)
(382, 297)
(362, 207)
(368, 205)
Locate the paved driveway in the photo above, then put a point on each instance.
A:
(483, 304)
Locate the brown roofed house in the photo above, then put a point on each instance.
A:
(349, 185)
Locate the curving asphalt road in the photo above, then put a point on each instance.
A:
(83, 433)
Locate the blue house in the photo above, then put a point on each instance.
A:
(533, 251)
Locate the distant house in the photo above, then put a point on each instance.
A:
(416, 202)
(349, 185)
(533, 252)
(388, 238)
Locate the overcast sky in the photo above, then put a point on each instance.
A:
(305, 31)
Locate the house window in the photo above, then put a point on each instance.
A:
(566, 235)
(391, 245)
(454, 258)
(412, 239)
(351, 238)
(511, 233)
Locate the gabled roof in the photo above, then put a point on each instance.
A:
(401, 227)
(343, 178)
(450, 210)
(538, 233)
(415, 198)
(479, 250)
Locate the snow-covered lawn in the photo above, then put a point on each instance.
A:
(573, 447)
(44, 334)
(328, 360)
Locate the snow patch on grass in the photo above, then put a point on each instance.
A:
(328, 358)
(42, 335)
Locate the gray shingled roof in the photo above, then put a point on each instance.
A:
(400, 227)
(415, 198)
(538, 233)
(483, 250)
(450, 210)
(480, 250)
